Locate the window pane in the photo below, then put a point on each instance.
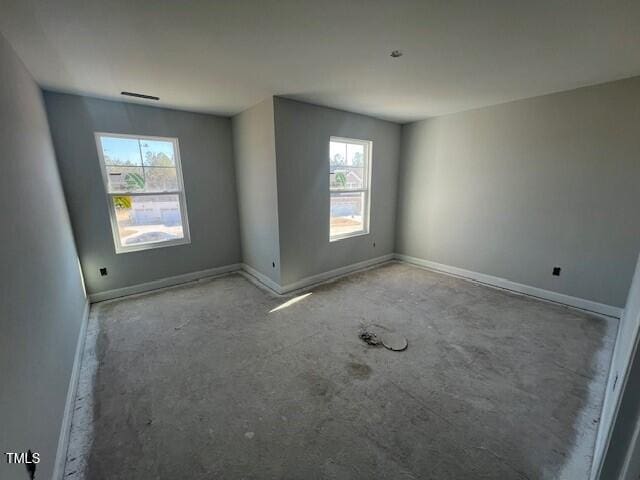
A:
(347, 166)
(337, 153)
(160, 179)
(355, 155)
(120, 151)
(140, 172)
(346, 213)
(157, 153)
(346, 177)
(148, 219)
(125, 179)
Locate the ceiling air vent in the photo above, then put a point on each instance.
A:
(140, 95)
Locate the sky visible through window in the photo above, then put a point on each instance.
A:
(125, 151)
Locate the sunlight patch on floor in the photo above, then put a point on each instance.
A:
(288, 303)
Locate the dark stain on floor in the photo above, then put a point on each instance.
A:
(359, 370)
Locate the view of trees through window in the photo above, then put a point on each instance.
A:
(349, 190)
(142, 182)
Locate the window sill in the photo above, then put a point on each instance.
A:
(347, 235)
(151, 246)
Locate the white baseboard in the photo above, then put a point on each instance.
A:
(548, 295)
(332, 274)
(314, 279)
(262, 278)
(162, 283)
(65, 429)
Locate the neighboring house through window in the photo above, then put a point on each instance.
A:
(349, 185)
(145, 192)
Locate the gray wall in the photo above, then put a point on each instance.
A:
(302, 152)
(41, 294)
(209, 180)
(255, 159)
(516, 189)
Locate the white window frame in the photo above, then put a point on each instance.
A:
(368, 147)
(109, 196)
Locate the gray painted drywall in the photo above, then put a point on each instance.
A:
(302, 153)
(516, 189)
(41, 293)
(209, 180)
(625, 365)
(255, 160)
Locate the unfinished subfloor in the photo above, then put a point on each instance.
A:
(212, 381)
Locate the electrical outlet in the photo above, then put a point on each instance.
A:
(103, 272)
(556, 271)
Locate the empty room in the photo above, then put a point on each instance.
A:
(291, 239)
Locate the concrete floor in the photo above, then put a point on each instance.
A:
(205, 382)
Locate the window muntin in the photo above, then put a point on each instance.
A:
(349, 185)
(143, 181)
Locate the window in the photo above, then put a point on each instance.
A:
(143, 180)
(349, 184)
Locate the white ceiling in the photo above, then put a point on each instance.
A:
(224, 56)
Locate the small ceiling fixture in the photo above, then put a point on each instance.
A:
(139, 95)
(396, 54)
